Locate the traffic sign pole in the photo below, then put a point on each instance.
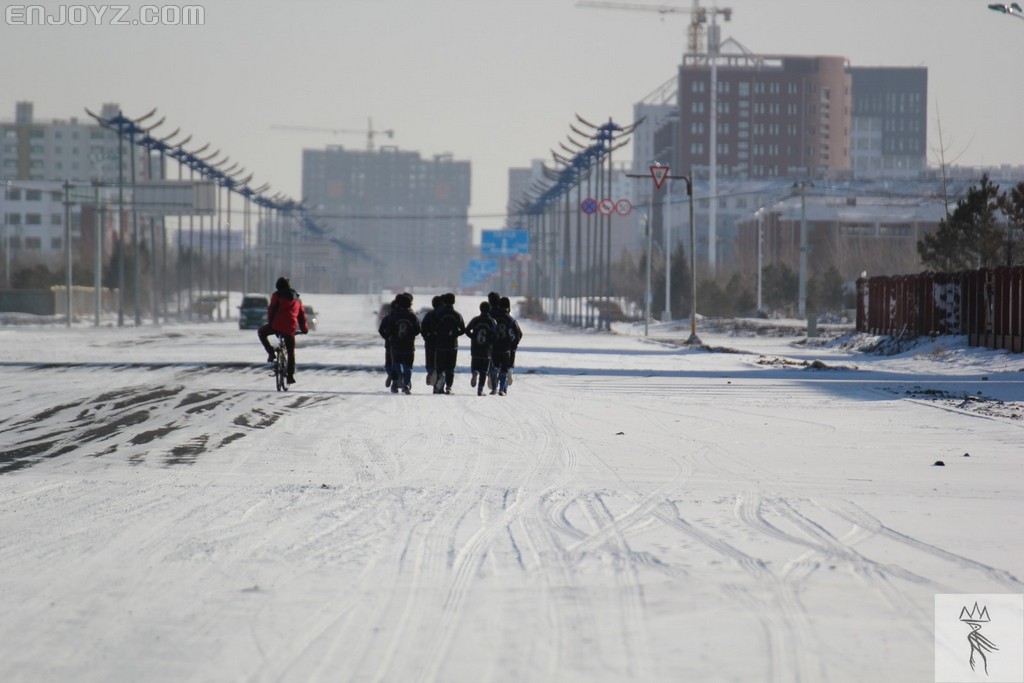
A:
(659, 174)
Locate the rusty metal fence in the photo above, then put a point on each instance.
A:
(985, 305)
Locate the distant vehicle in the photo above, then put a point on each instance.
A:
(310, 317)
(253, 311)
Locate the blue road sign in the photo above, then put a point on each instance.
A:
(503, 243)
(478, 270)
(483, 266)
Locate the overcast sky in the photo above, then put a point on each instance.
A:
(494, 82)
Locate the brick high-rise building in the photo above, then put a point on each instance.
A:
(776, 115)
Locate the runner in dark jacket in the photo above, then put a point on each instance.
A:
(285, 316)
(427, 331)
(507, 305)
(448, 328)
(481, 331)
(389, 368)
(400, 329)
(501, 352)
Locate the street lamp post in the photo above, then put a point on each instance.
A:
(801, 187)
(647, 290)
(666, 217)
(1013, 9)
(760, 254)
(67, 248)
(7, 238)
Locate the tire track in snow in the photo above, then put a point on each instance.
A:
(470, 555)
(857, 515)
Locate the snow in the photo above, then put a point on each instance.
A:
(634, 509)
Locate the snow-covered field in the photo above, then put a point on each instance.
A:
(633, 510)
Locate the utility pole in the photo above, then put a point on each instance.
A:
(67, 246)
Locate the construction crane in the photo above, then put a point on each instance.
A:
(370, 131)
(698, 17)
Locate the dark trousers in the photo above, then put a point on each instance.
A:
(289, 344)
(502, 361)
(444, 363)
(429, 356)
(481, 365)
(401, 367)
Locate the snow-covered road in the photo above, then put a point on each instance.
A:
(631, 510)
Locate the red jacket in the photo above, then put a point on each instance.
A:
(285, 313)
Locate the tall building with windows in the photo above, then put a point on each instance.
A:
(405, 218)
(776, 115)
(37, 158)
(890, 121)
(65, 149)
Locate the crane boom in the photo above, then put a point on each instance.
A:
(370, 131)
(698, 17)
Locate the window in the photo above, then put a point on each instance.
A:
(33, 243)
(14, 195)
(56, 219)
(33, 219)
(33, 195)
(55, 243)
(894, 230)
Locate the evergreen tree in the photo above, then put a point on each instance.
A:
(825, 291)
(969, 237)
(780, 286)
(1011, 203)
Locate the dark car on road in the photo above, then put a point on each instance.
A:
(253, 311)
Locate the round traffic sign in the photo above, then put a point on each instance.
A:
(606, 206)
(623, 207)
(588, 205)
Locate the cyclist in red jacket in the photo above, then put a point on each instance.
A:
(286, 316)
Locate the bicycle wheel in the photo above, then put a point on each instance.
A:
(281, 369)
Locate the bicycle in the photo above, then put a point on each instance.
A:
(281, 364)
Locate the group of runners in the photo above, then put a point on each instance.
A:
(494, 336)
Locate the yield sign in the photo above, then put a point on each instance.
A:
(659, 173)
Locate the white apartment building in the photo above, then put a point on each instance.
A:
(65, 149)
